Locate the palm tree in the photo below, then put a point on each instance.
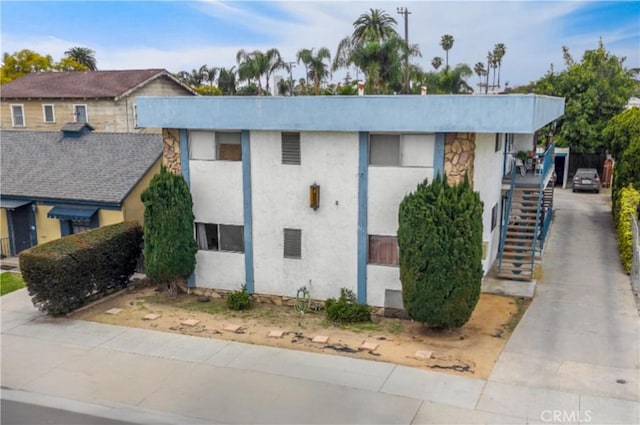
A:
(227, 81)
(454, 81)
(436, 62)
(84, 56)
(274, 62)
(490, 61)
(382, 64)
(447, 43)
(304, 56)
(499, 50)
(209, 74)
(317, 70)
(375, 26)
(480, 72)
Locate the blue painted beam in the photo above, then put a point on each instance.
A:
(245, 139)
(438, 155)
(434, 113)
(184, 170)
(363, 199)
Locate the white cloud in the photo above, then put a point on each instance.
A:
(532, 32)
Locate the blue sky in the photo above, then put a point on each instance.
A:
(182, 35)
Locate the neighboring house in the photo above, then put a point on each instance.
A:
(304, 191)
(59, 183)
(46, 101)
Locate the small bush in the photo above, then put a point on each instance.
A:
(239, 300)
(67, 273)
(345, 309)
(628, 200)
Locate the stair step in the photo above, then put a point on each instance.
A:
(522, 220)
(512, 276)
(520, 227)
(518, 248)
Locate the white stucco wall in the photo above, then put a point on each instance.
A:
(487, 180)
(216, 189)
(387, 187)
(281, 200)
(522, 142)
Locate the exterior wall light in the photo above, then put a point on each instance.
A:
(314, 196)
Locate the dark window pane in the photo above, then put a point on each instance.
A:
(231, 238)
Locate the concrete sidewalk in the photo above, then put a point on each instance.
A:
(144, 376)
(579, 336)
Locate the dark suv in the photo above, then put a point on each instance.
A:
(586, 179)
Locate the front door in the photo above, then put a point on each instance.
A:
(20, 228)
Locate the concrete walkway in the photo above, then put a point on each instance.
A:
(578, 337)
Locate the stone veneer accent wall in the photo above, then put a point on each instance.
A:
(459, 155)
(171, 149)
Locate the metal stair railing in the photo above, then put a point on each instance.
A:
(547, 172)
(507, 213)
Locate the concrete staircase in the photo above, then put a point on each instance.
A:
(517, 261)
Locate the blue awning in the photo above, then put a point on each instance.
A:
(12, 204)
(72, 213)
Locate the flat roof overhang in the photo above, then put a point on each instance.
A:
(432, 113)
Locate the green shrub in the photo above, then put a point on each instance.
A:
(239, 300)
(345, 309)
(169, 246)
(64, 274)
(628, 201)
(626, 171)
(440, 241)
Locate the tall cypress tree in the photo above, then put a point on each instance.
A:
(169, 245)
(440, 240)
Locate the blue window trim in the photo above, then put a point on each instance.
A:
(438, 155)
(363, 182)
(245, 139)
(184, 170)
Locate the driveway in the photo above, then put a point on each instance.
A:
(581, 334)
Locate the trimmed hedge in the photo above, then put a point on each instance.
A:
(67, 273)
(628, 201)
(440, 241)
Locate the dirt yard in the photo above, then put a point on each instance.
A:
(469, 351)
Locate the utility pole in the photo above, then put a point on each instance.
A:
(404, 11)
(291, 66)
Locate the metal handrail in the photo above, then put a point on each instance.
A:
(507, 212)
(547, 171)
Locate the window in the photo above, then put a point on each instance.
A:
(134, 111)
(78, 226)
(209, 145)
(202, 145)
(80, 113)
(498, 147)
(494, 216)
(228, 146)
(292, 243)
(384, 149)
(220, 237)
(48, 113)
(509, 139)
(406, 150)
(291, 148)
(17, 115)
(383, 250)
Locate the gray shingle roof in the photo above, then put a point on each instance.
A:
(79, 84)
(97, 167)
